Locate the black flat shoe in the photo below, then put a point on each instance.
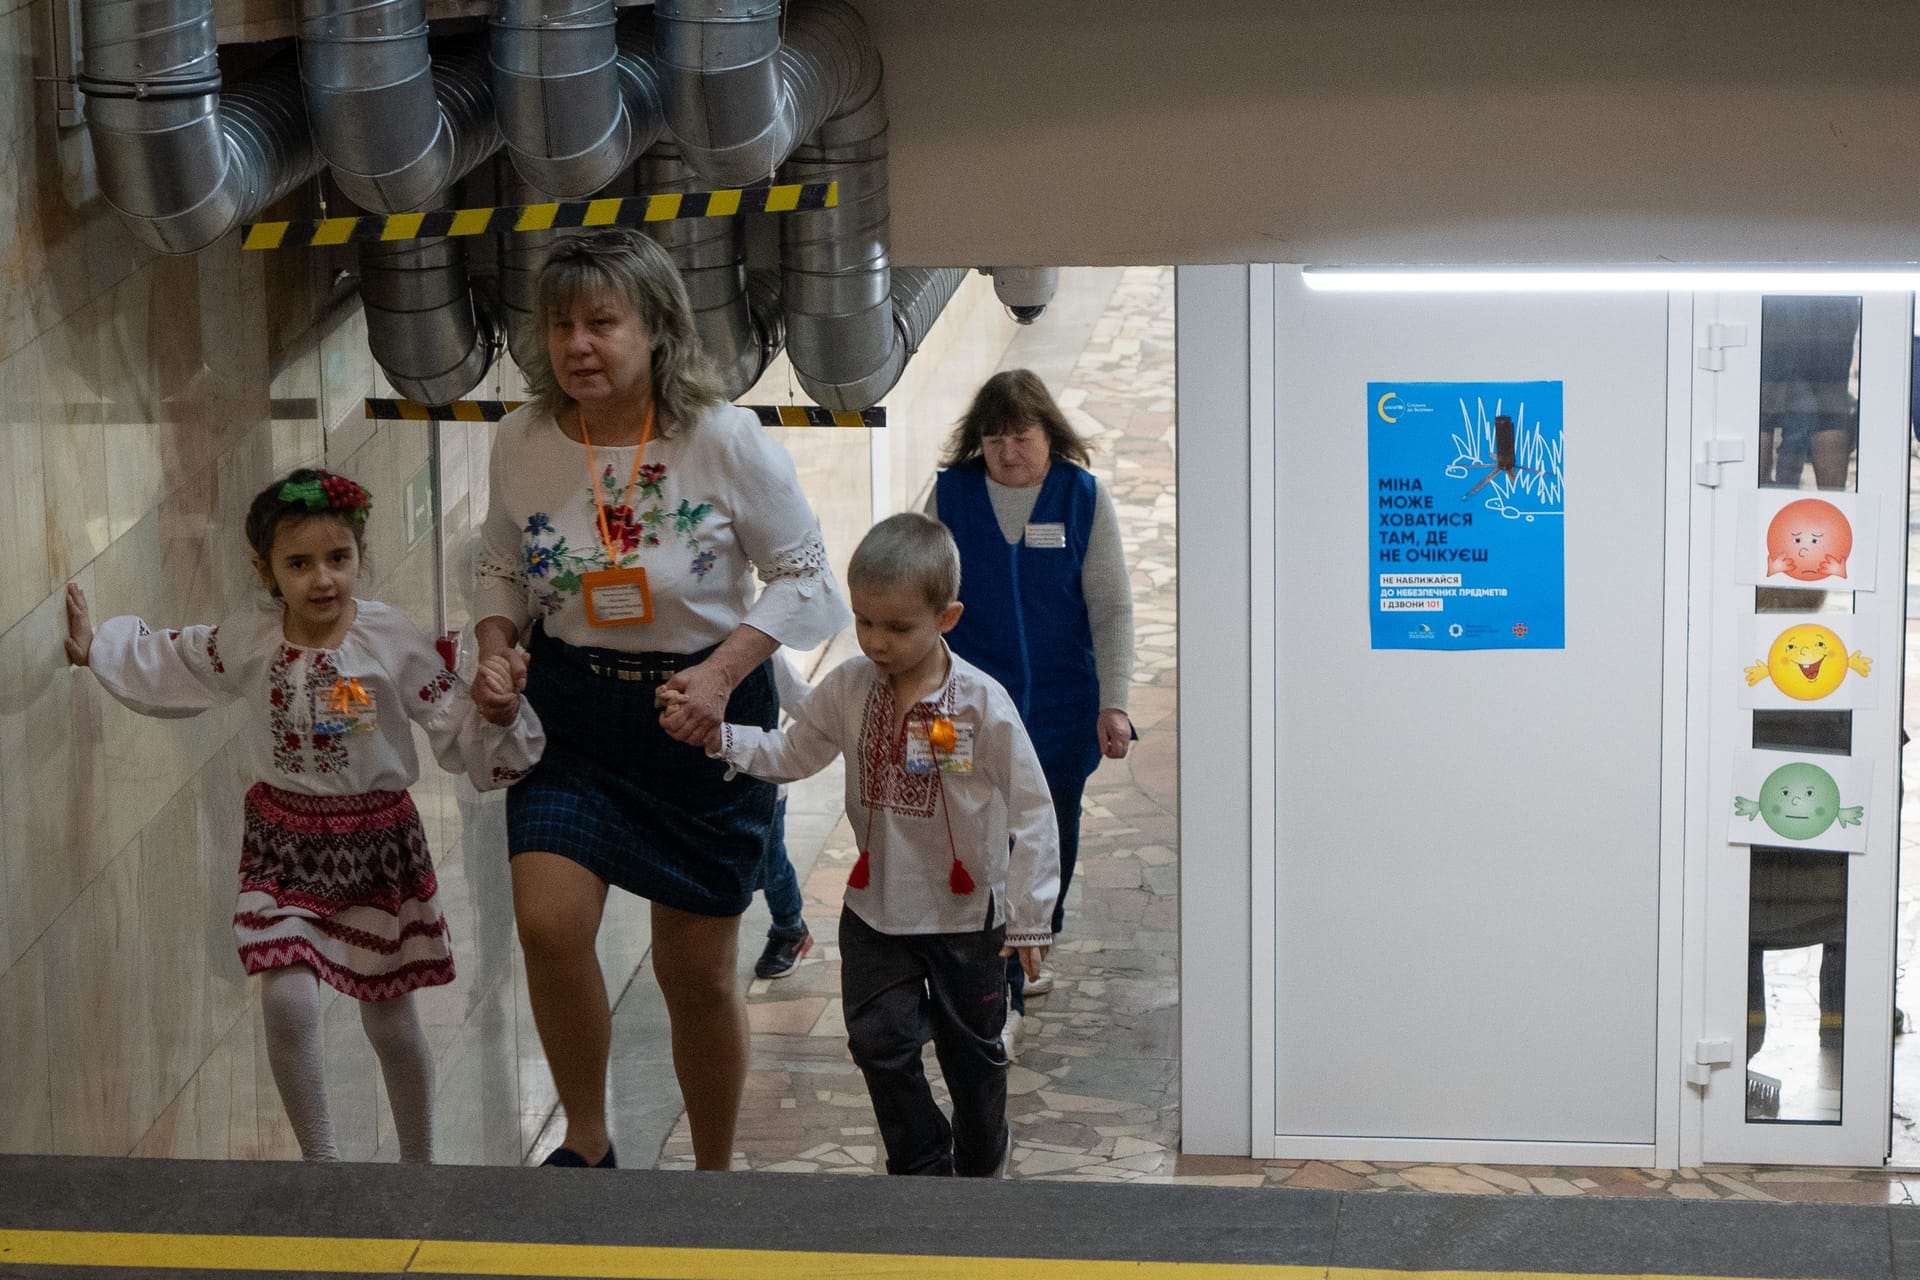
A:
(568, 1158)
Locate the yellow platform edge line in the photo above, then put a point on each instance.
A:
(150, 1251)
(145, 1251)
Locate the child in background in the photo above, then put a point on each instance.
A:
(788, 938)
(959, 855)
(336, 884)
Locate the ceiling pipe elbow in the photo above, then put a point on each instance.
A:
(396, 127)
(577, 97)
(181, 163)
(727, 105)
(429, 334)
(886, 337)
(738, 323)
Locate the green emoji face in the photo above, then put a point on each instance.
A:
(1799, 800)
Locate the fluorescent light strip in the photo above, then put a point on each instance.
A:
(1904, 279)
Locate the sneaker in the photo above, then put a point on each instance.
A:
(1041, 985)
(1010, 1034)
(782, 954)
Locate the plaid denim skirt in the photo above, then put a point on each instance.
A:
(620, 797)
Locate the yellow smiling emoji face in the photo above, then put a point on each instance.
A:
(1808, 662)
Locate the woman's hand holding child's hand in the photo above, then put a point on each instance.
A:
(79, 626)
(494, 692)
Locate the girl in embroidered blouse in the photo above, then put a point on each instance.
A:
(336, 884)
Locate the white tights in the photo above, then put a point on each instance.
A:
(290, 1000)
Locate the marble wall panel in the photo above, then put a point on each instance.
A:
(54, 792)
(172, 891)
(25, 577)
(26, 1121)
(100, 1031)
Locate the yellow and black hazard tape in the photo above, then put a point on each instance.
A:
(611, 211)
(458, 411)
(770, 415)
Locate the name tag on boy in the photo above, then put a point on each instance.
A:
(920, 753)
(1047, 536)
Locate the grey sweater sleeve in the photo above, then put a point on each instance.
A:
(1103, 579)
(1109, 592)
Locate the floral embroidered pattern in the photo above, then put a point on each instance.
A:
(507, 777)
(554, 566)
(297, 748)
(213, 652)
(436, 688)
(884, 780)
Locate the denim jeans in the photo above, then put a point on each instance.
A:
(777, 880)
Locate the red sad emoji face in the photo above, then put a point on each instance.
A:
(1809, 540)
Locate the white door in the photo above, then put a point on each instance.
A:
(1459, 956)
(1800, 425)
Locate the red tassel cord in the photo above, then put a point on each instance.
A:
(940, 736)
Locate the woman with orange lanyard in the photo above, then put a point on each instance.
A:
(630, 506)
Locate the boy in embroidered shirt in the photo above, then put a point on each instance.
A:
(959, 854)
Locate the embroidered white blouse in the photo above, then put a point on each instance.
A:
(321, 721)
(712, 503)
(991, 789)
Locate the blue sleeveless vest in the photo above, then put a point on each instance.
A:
(1025, 622)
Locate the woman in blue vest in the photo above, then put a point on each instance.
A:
(1049, 603)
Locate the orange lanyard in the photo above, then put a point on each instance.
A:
(593, 479)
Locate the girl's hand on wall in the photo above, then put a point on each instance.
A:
(79, 626)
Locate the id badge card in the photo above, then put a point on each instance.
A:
(1047, 537)
(920, 753)
(616, 597)
(347, 708)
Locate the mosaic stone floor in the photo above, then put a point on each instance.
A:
(1093, 1095)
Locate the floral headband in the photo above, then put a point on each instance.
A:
(335, 495)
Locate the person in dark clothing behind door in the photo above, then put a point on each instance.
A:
(1049, 602)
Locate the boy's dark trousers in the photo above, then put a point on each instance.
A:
(899, 990)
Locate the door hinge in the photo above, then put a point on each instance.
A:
(1714, 454)
(1708, 1054)
(1712, 356)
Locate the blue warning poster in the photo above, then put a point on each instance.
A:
(1467, 509)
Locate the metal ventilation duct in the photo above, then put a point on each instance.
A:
(427, 329)
(520, 254)
(577, 100)
(182, 163)
(740, 338)
(740, 103)
(397, 126)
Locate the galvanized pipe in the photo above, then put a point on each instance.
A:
(577, 99)
(396, 129)
(180, 162)
(425, 327)
(711, 256)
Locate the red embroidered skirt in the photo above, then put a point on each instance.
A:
(343, 884)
